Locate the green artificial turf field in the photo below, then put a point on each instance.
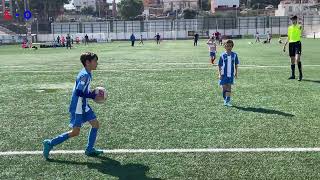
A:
(162, 97)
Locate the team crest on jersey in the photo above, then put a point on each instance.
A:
(83, 80)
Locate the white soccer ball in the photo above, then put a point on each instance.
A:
(101, 91)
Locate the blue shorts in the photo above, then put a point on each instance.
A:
(76, 120)
(226, 80)
(212, 54)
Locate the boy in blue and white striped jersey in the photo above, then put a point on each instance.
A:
(80, 111)
(228, 70)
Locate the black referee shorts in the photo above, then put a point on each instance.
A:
(294, 48)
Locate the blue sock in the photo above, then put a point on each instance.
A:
(228, 99)
(224, 94)
(92, 138)
(59, 139)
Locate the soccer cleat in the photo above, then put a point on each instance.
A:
(292, 77)
(300, 77)
(94, 152)
(46, 148)
(225, 103)
(228, 104)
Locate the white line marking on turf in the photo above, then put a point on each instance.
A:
(150, 69)
(208, 150)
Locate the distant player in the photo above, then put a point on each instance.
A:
(86, 39)
(58, 39)
(294, 39)
(157, 38)
(228, 69)
(195, 39)
(141, 39)
(80, 111)
(257, 36)
(217, 36)
(68, 41)
(220, 39)
(62, 41)
(132, 39)
(212, 49)
(269, 37)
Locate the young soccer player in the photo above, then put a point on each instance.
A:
(294, 39)
(195, 39)
(80, 111)
(257, 36)
(157, 38)
(212, 49)
(132, 39)
(68, 41)
(62, 41)
(141, 39)
(86, 39)
(269, 37)
(228, 69)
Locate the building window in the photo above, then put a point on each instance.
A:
(290, 8)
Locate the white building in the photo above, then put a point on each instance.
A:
(300, 8)
(171, 5)
(224, 4)
(79, 4)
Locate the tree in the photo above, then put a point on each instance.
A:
(88, 11)
(189, 13)
(262, 3)
(129, 9)
(204, 5)
(42, 8)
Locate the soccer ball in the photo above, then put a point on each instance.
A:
(101, 91)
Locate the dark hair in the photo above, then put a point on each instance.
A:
(87, 56)
(294, 18)
(229, 41)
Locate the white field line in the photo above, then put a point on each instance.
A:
(149, 69)
(208, 150)
(139, 63)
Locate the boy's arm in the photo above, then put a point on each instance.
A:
(81, 88)
(91, 95)
(236, 74)
(219, 75)
(285, 44)
(208, 41)
(237, 62)
(220, 63)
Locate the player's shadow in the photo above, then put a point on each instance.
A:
(263, 110)
(314, 81)
(114, 168)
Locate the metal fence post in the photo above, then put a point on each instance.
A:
(247, 26)
(224, 26)
(239, 25)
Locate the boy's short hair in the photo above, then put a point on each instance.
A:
(229, 41)
(87, 56)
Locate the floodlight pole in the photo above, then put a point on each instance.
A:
(99, 5)
(26, 5)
